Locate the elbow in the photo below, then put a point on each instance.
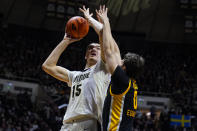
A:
(107, 51)
(45, 67)
(107, 55)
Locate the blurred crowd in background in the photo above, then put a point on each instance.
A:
(169, 71)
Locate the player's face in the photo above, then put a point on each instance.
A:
(93, 52)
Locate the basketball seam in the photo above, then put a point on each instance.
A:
(78, 28)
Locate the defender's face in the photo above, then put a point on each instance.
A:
(93, 53)
(122, 65)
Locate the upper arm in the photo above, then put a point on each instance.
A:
(112, 55)
(101, 44)
(112, 61)
(110, 49)
(57, 72)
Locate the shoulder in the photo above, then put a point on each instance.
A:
(100, 66)
(74, 72)
(119, 81)
(119, 75)
(73, 75)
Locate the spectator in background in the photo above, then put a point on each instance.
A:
(152, 112)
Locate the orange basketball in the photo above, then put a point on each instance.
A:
(77, 27)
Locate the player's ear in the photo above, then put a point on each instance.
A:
(86, 56)
(123, 67)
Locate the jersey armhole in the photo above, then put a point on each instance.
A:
(70, 77)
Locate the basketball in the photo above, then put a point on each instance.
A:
(77, 27)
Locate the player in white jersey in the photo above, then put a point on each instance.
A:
(88, 87)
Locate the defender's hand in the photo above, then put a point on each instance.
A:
(86, 12)
(102, 14)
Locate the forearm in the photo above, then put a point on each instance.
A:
(97, 26)
(56, 53)
(101, 45)
(111, 50)
(112, 44)
(107, 37)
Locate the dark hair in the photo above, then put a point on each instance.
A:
(134, 64)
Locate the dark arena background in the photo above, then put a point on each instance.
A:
(164, 32)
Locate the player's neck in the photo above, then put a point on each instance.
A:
(89, 65)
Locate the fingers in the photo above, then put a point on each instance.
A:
(99, 19)
(84, 7)
(66, 37)
(85, 11)
(74, 39)
(102, 9)
(81, 10)
(105, 9)
(97, 12)
(69, 38)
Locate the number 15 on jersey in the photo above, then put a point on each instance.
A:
(76, 90)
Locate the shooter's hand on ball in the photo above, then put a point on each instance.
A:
(69, 39)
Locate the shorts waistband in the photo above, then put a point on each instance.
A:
(78, 120)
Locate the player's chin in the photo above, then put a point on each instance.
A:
(94, 58)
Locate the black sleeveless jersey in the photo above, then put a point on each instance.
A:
(120, 103)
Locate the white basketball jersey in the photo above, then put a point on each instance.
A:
(88, 91)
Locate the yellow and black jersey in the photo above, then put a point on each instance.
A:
(120, 103)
